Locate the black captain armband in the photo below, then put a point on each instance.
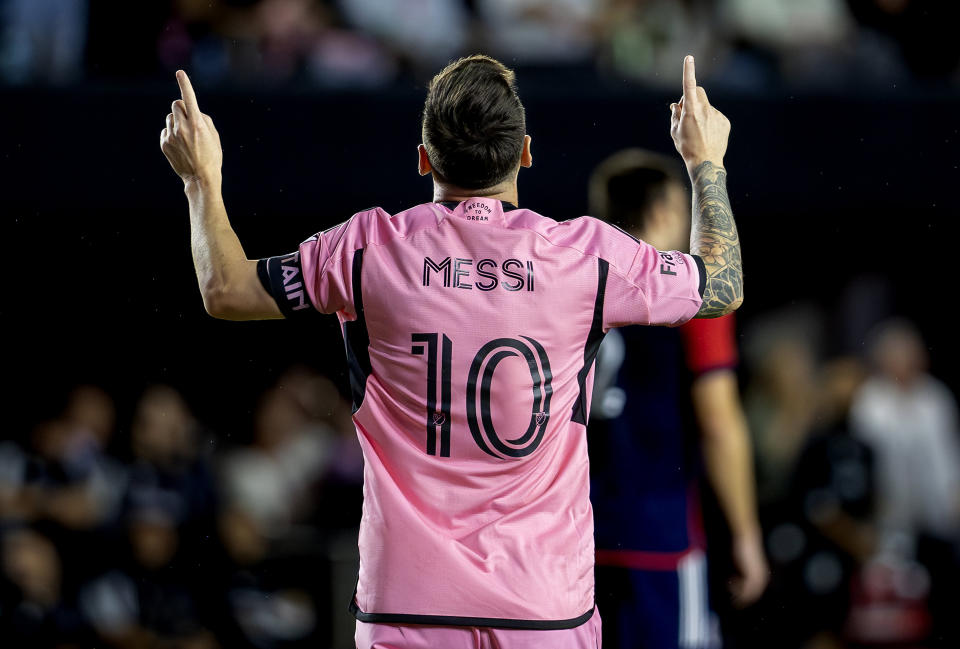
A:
(282, 277)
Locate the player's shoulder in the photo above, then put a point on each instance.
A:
(586, 234)
(377, 226)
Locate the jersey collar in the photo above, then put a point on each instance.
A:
(453, 205)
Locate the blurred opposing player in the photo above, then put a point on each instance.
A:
(651, 568)
(471, 327)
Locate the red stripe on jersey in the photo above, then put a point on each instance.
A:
(710, 343)
(639, 560)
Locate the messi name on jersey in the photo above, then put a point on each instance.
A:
(483, 274)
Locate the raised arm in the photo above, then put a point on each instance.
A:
(228, 280)
(700, 134)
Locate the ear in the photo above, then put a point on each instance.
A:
(526, 158)
(424, 163)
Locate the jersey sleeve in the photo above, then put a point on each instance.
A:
(648, 286)
(710, 344)
(317, 277)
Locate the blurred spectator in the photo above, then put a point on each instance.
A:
(643, 40)
(823, 532)
(13, 466)
(424, 33)
(273, 480)
(265, 598)
(42, 40)
(91, 416)
(168, 470)
(806, 39)
(35, 612)
(301, 469)
(910, 419)
(57, 485)
(192, 38)
(150, 600)
(271, 41)
(526, 32)
(328, 410)
(780, 399)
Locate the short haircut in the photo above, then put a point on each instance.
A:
(473, 123)
(626, 185)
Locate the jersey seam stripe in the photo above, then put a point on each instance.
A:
(358, 345)
(592, 345)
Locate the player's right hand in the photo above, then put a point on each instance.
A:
(753, 573)
(699, 130)
(190, 141)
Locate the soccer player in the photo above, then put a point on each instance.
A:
(652, 382)
(471, 327)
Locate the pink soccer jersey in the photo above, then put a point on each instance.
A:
(471, 332)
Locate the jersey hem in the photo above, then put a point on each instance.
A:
(456, 620)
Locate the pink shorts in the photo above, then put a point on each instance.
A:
(422, 636)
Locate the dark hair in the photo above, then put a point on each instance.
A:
(473, 123)
(626, 185)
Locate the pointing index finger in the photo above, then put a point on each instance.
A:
(689, 79)
(186, 91)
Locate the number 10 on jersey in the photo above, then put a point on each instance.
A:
(439, 349)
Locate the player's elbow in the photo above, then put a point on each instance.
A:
(214, 303)
(220, 303)
(715, 307)
(734, 305)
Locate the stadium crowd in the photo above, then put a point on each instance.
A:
(743, 44)
(858, 470)
(154, 533)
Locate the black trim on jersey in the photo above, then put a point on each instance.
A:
(282, 278)
(454, 620)
(432, 397)
(356, 339)
(592, 345)
(453, 205)
(446, 351)
(622, 231)
(703, 273)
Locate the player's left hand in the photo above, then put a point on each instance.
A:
(190, 141)
(752, 570)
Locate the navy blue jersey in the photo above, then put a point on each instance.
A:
(644, 441)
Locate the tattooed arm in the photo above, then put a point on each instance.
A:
(700, 134)
(714, 238)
